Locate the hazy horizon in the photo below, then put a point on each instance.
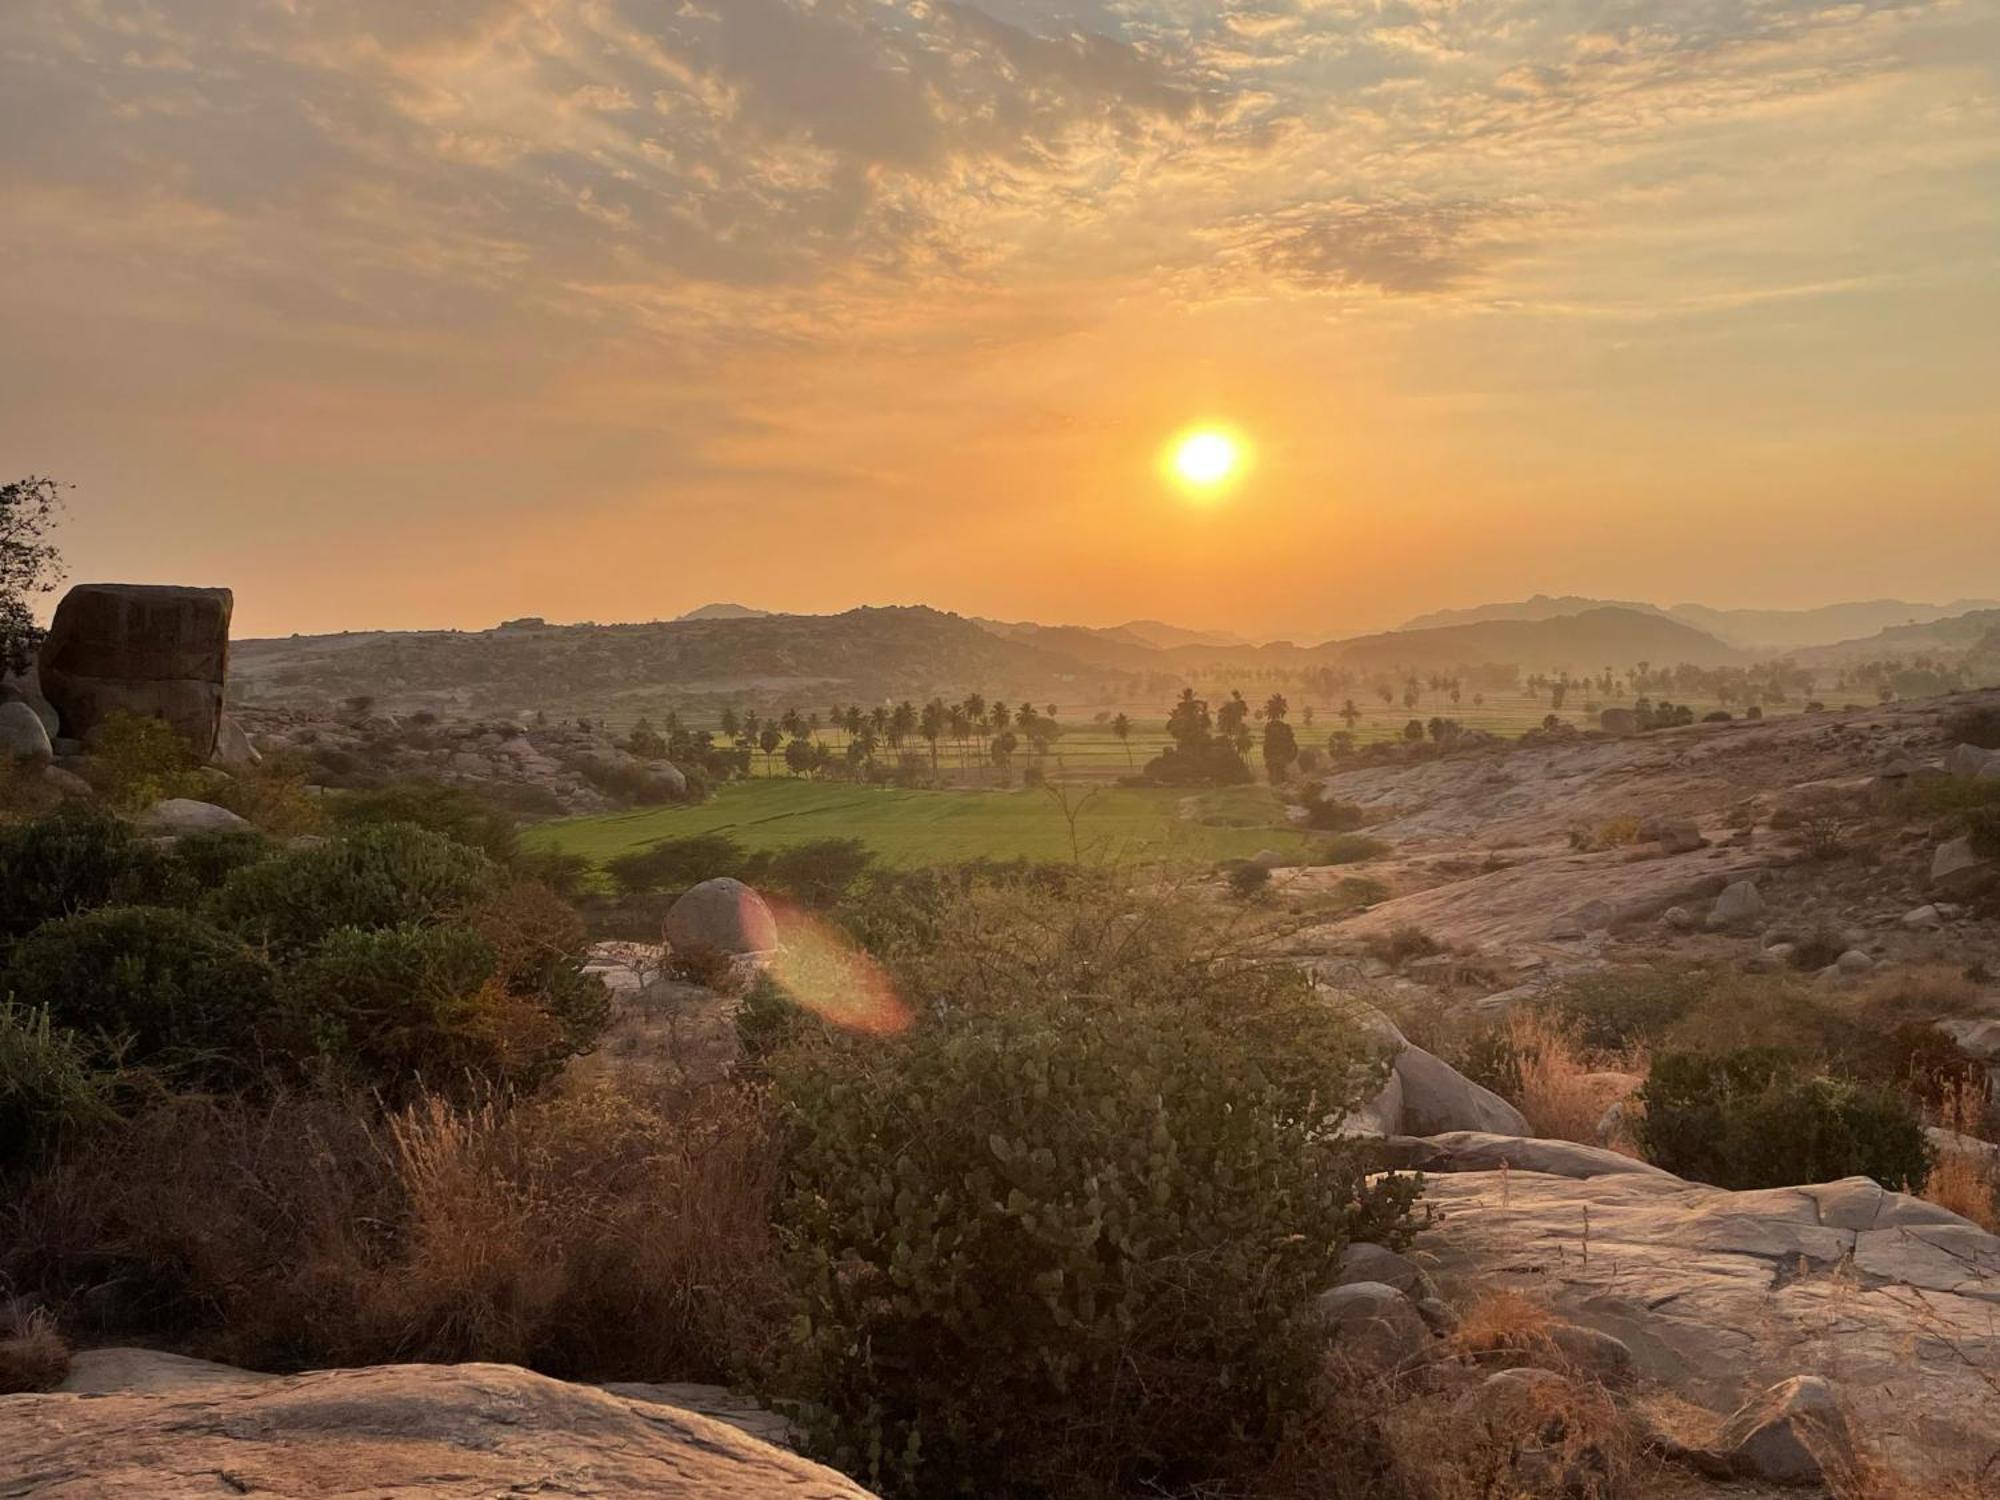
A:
(396, 316)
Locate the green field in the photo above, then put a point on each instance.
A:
(1124, 825)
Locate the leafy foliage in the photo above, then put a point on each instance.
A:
(135, 761)
(1750, 1118)
(29, 564)
(455, 812)
(1057, 1239)
(376, 877)
(152, 984)
(47, 1085)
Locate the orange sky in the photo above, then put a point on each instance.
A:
(389, 314)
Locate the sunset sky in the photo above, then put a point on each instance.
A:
(432, 312)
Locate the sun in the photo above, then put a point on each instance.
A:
(1204, 460)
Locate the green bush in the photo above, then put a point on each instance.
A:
(47, 1085)
(185, 871)
(818, 873)
(1329, 815)
(67, 862)
(1975, 726)
(374, 877)
(1615, 1008)
(501, 1001)
(135, 761)
(458, 814)
(676, 864)
(1059, 1237)
(1751, 1118)
(1349, 849)
(152, 984)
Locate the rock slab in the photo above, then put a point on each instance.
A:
(455, 1432)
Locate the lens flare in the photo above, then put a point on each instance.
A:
(822, 971)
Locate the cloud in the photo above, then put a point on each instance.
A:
(1404, 247)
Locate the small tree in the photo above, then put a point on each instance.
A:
(1121, 730)
(29, 564)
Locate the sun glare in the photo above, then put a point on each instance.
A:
(1205, 459)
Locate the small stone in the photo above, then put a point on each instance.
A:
(1924, 918)
(1958, 867)
(1854, 961)
(1677, 919)
(1366, 1262)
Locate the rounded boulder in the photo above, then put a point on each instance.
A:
(721, 917)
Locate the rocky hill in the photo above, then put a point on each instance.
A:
(1613, 635)
(865, 654)
(1746, 629)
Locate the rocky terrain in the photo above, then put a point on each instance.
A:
(1493, 849)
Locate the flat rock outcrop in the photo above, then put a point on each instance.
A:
(1720, 1295)
(146, 649)
(458, 1431)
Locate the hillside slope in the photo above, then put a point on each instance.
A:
(1613, 636)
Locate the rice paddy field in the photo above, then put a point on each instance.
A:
(1118, 825)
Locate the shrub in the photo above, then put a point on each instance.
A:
(1249, 879)
(590, 1236)
(818, 873)
(1329, 815)
(1349, 849)
(374, 877)
(1748, 1118)
(1614, 1009)
(402, 1008)
(47, 1086)
(149, 983)
(59, 865)
(1400, 944)
(460, 815)
(34, 1357)
(1975, 726)
(183, 873)
(273, 795)
(136, 761)
(1058, 1238)
(676, 864)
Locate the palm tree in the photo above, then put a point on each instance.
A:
(1121, 730)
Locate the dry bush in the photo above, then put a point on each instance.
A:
(587, 1235)
(1926, 992)
(1562, 1086)
(1961, 1181)
(1500, 1319)
(34, 1357)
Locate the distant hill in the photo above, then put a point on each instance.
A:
(1969, 633)
(1159, 634)
(1769, 630)
(1609, 636)
(863, 655)
(1792, 629)
(1537, 607)
(725, 612)
(868, 656)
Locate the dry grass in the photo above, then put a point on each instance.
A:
(1500, 1319)
(1961, 1181)
(589, 1234)
(1926, 992)
(1562, 1088)
(34, 1357)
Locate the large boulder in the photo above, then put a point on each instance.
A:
(1740, 904)
(233, 750)
(22, 734)
(454, 1432)
(1437, 1097)
(721, 918)
(159, 652)
(1793, 1433)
